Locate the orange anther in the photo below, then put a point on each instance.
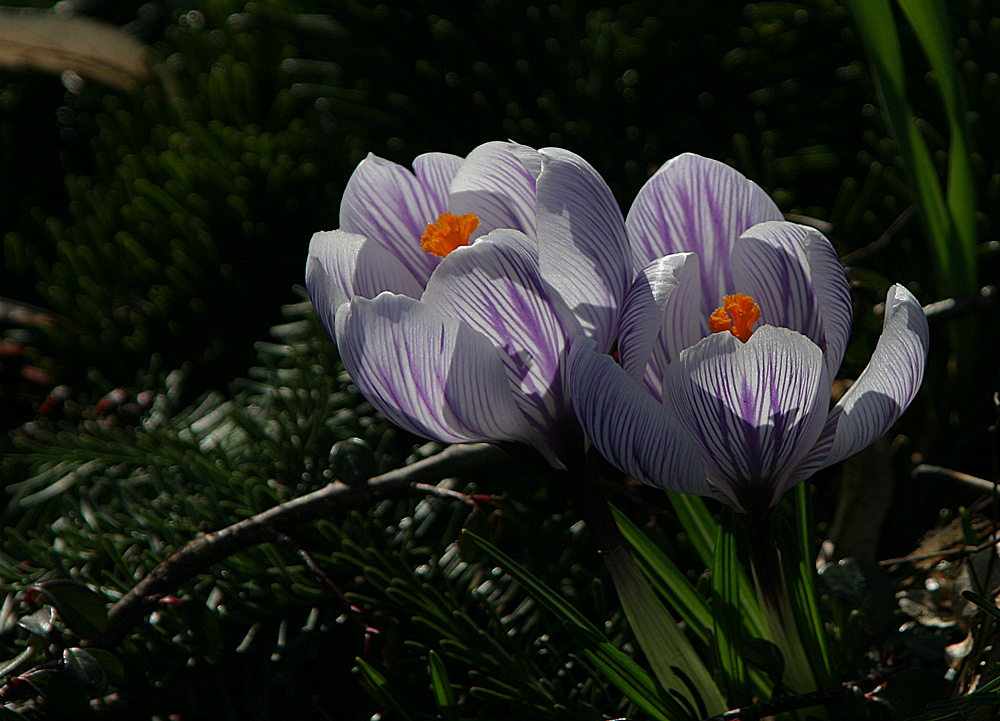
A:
(737, 315)
(448, 232)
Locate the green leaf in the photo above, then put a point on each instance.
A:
(382, 690)
(667, 579)
(39, 622)
(622, 671)
(111, 664)
(80, 608)
(766, 656)
(631, 680)
(84, 670)
(726, 611)
(444, 697)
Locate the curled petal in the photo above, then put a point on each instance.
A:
(428, 373)
(494, 287)
(643, 310)
(582, 247)
(769, 262)
(629, 427)
(333, 256)
(754, 410)
(388, 204)
(494, 184)
(833, 296)
(886, 387)
(693, 203)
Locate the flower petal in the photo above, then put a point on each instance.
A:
(886, 387)
(494, 184)
(378, 270)
(435, 171)
(628, 426)
(427, 372)
(494, 286)
(643, 314)
(333, 255)
(754, 410)
(582, 247)
(769, 262)
(693, 203)
(833, 294)
(388, 204)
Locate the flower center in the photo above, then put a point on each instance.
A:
(737, 314)
(448, 232)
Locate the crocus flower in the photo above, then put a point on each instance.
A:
(453, 292)
(730, 339)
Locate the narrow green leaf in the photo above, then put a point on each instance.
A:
(444, 697)
(382, 690)
(633, 682)
(618, 667)
(677, 666)
(667, 579)
(701, 529)
(726, 611)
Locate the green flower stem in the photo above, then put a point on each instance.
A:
(772, 589)
(674, 661)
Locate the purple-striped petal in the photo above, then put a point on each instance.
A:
(643, 312)
(886, 387)
(582, 247)
(386, 203)
(333, 255)
(428, 373)
(494, 286)
(754, 410)
(378, 270)
(696, 204)
(494, 184)
(833, 295)
(769, 263)
(629, 427)
(435, 171)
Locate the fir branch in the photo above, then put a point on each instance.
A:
(204, 551)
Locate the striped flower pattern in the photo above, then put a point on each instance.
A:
(729, 340)
(455, 290)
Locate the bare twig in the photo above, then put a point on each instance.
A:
(776, 706)
(206, 550)
(954, 307)
(884, 239)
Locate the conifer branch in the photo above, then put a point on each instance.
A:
(206, 550)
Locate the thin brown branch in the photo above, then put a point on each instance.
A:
(784, 704)
(204, 551)
(884, 240)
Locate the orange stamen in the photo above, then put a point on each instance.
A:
(738, 313)
(448, 232)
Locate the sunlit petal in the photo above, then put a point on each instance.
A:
(386, 203)
(643, 312)
(770, 264)
(890, 381)
(629, 427)
(333, 255)
(697, 204)
(494, 184)
(754, 410)
(494, 286)
(583, 250)
(429, 373)
(436, 171)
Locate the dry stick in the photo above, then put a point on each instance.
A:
(884, 239)
(817, 698)
(204, 551)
